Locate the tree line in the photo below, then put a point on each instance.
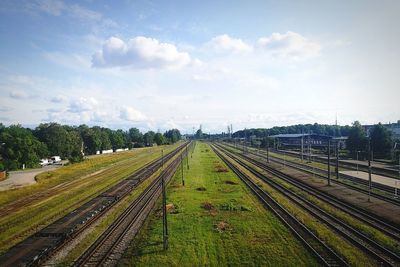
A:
(19, 145)
(380, 141)
(322, 129)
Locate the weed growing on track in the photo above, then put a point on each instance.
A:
(236, 231)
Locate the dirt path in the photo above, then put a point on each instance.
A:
(23, 178)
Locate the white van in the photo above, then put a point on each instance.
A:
(44, 162)
(55, 159)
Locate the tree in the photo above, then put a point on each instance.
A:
(91, 139)
(136, 137)
(105, 140)
(149, 138)
(55, 137)
(159, 139)
(199, 134)
(172, 136)
(64, 141)
(357, 139)
(74, 146)
(117, 139)
(381, 141)
(19, 146)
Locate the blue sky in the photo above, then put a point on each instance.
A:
(163, 64)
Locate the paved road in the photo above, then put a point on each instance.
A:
(375, 164)
(18, 179)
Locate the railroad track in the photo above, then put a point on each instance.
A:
(40, 196)
(383, 255)
(351, 166)
(41, 245)
(110, 246)
(323, 174)
(388, 228)
(325, 255)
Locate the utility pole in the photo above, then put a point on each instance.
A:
(302, 146)
(268, 151)
(357, 160)
(183, 181)
(369, 170)
(284, 158)
(187, 157)
(337, 160)
(309, 152)
(329, 162)
(397, 181)
(165, 225)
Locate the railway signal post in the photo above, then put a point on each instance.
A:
(369, 170)
(337, 160)
(329, 162)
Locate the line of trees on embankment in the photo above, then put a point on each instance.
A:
(19, 145)
(322, 129)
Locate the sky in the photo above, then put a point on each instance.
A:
(157, 65)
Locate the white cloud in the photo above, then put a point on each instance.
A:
(19, 95)
(82, 104)
(171, 124)
(141, 53)
(131, 114)
(224, 42)
(290, 45)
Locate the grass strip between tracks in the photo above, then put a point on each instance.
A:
(353, 255)
(214, 220)
(371, 232)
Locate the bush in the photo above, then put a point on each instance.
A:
(75, 158)
(220, 168)
(137, 145)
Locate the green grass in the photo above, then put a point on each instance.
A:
(252, 236)
(351, 254)
(68, 173)
(16, 226)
